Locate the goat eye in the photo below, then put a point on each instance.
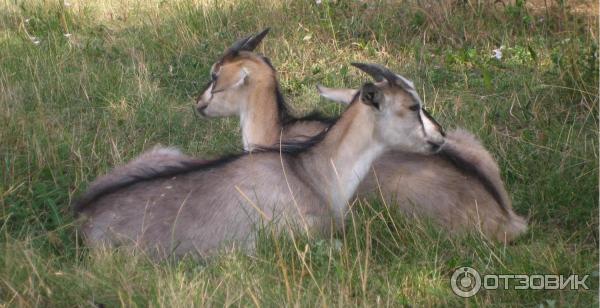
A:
(414, 108)
(213, 76)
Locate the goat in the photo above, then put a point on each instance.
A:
(259, 104)
(460, 188)
(199, 207)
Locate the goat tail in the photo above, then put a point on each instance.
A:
(155, 162)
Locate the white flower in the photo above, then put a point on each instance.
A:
(67, 35)
(319, 1)
(498, 53)
(35, 40)
(67, 4)
(27, 20)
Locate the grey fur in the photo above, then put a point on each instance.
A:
(199, 212)
(432, 187)
(457, 199)
(166, 204)
(155, 161)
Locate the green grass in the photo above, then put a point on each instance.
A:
(74, 107)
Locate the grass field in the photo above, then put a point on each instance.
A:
(87, 85)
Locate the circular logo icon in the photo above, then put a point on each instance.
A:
(465, 282)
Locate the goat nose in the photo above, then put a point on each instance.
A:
(201, 109)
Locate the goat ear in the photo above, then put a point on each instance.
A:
(242, 78)
(371, 95)
(338, 95)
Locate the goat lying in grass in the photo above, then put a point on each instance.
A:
(198, 207)
(460, 188)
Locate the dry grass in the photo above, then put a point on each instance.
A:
(73, 107)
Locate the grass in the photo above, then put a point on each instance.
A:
(73, 107)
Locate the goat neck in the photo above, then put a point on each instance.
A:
(343, 158)
(259, 118)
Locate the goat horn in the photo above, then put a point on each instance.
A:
(251, 44)
(378, 72)
(238, 45)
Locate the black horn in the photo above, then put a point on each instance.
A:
(237, 46)
(378, 72)
(248, 43)
(255, 40)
